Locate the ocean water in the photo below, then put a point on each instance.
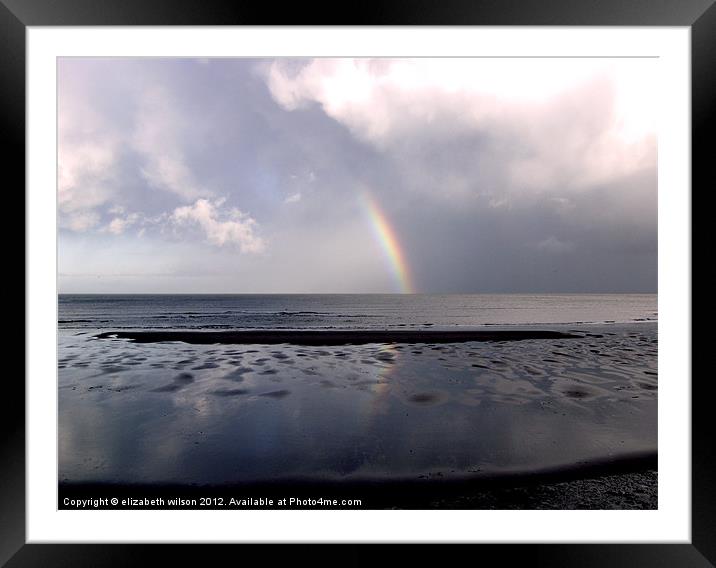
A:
(173, 412)
(358, 311)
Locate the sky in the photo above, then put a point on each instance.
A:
(445, 175)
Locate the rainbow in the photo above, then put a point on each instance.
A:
(385, 235)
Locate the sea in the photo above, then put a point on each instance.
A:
(348, 311)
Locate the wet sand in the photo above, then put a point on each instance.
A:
(332, 337)
(625, 483)
(447, 421)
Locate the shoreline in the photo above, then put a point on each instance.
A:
(601, 484)
(332, 337)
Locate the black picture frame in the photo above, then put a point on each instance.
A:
(699, 15)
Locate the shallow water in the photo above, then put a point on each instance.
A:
(174, 412)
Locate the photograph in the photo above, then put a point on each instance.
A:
(357, 283)
(404, 274)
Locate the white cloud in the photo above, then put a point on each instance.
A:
(238, 229)
(83, 170)
(550, 124)
(376, 97)
(293, 198)
(86, 160)
(118, 225)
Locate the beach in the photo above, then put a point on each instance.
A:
(488, 417)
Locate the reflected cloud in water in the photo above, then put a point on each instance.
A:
(228, 414)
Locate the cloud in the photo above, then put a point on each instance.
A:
(86, 160)
(118, 225)
(118, 137)
(239, 229)
(379, 98)
(81, 221)
(488, 172)
(84, 168)
(158, 139)
(539, 125)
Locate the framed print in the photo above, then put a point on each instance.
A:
(421, 277)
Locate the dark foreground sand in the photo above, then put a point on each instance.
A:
(636, 490)
(633, 490)
(623, 483)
